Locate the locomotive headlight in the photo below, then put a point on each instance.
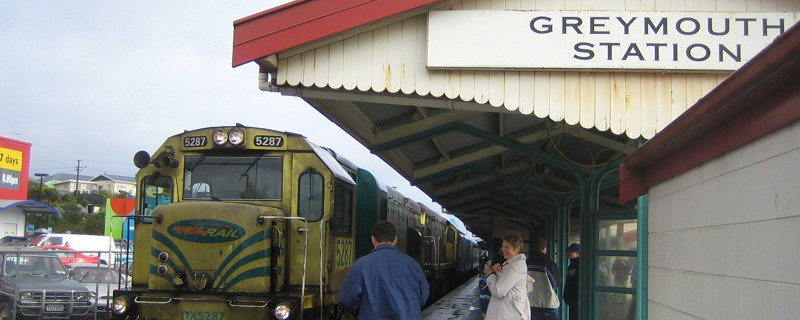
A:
(120, 305)
(283, 311)
(220, 137)
(236, 136)
(163, 256)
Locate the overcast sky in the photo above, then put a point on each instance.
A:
(100, 80)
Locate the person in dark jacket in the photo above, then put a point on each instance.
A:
(485, 294)
(539, 258)
(386, 283)
(571, 285)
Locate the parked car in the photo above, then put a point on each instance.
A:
(13, 241)
(80, 242)
(102, 281)
(125, 252)
(126, 268)
(69, 255)
(34, 284)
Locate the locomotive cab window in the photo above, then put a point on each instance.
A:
(342, 210)
(233, 178)
(156, 190)
(310, 197)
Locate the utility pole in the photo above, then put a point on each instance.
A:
(41, 178)
(77, 177)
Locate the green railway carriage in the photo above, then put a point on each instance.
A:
(422, 233)
(248, 223)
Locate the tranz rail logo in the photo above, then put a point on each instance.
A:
(206, 231)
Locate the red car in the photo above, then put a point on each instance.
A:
(69, 255)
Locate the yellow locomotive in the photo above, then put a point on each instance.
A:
(248, 223)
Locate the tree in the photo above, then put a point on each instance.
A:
(104, 194)
(74, 215)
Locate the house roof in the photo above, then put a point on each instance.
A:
(303, 21)
(62, 177)
(760, 98)
(114, 177)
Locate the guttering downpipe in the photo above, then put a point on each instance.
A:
(267, 71)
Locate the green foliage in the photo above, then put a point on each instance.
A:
(46, 195)
(74, 215)
(121, 194)
(104, 194)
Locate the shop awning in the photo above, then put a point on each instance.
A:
(28, 206)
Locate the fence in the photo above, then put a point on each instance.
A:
(60, 283)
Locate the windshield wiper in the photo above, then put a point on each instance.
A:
(250, 166)
(199, 161)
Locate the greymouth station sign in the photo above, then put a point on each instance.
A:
(556, 40)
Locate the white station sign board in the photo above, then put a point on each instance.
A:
(669, 41)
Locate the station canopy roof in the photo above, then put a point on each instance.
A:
(494, 147)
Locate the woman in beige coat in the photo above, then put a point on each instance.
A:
(509, 285)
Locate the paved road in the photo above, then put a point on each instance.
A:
(460, 304)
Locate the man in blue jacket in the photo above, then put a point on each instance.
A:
(386, 283)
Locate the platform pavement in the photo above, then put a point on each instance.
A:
(460, 304)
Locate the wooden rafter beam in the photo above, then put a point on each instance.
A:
(482, 154)
(625, 148)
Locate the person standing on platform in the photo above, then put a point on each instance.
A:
(485, 295)
(546, 306)
(386, 283)
(508, 286)
(571, 286)
(483, 287)
(539, 258)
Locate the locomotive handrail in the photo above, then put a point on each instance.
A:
(261, 219)
(279, 237)
(435, 250)
(232, 304)
(137, 300)
(321, 289)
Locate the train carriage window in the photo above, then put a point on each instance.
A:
(342, 211)
(156, 190)
(310, 197)
(451, 235)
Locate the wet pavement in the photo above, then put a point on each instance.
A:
(463, 304)
(460, 304)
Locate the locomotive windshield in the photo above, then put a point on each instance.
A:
(233, 178)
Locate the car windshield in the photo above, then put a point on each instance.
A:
(95, 275)
(233, 178)
(33, 265)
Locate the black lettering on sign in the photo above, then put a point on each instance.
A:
(585, 48)
(543, 28)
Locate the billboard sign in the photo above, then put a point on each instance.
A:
(14, 162)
